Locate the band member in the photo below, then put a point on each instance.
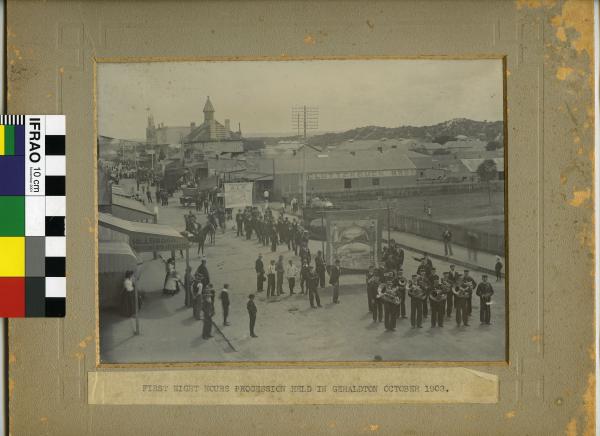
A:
(391, 301)
(425, 285)
(259, 267)
(334, 280)
(484, 292)
(447, 289)
(417, 296)
(469, 279)
(401, 284)
(378, 303)
(437, 298)
(462, 295)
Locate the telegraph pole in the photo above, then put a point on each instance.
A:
(309, 116)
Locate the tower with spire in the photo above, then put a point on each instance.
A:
(209, 111)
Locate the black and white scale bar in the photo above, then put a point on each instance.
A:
(13, 120)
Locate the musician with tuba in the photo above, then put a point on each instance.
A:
(462, 296)
(437, 298)
(417, 297)
(388, 293)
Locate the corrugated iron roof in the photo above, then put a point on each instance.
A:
(344, 161)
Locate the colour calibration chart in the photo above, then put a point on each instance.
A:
(32, 216)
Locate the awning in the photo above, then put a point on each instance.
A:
(118, 190)
(144, 237)
(129, 209)
(116, 256)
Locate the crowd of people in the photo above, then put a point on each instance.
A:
(271, 231)
(387, 287)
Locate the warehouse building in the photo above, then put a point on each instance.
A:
(341, 172)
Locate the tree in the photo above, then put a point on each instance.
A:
(492, 145)
(487, 171)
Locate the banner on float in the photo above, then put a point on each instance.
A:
(354, 238)
(238, 195)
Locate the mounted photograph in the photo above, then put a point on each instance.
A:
(299, 210)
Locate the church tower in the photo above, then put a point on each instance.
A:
(209, 111)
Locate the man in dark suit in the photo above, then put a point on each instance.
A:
(334, 280)
(313, 288)
(484, 292)
(259, 267)
(471, 281)
(224, 297)
(452, 283)
(252, 314)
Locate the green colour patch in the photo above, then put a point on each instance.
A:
(9, 140)
(12, 215)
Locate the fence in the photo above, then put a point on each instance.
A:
(409, 191)
(484, 241)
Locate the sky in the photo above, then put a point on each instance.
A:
(260, 94)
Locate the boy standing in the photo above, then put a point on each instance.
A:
(252, 314)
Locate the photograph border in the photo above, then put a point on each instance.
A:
(308, 363)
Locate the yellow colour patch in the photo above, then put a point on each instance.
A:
(12, 256)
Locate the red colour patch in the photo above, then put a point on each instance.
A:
(12, 297)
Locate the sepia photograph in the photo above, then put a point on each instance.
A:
(298, 210)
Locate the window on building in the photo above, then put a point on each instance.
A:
(347, 183)
(375, 181)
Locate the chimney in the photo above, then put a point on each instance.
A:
(192, 125)
(227, 126)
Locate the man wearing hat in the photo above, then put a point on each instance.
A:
(207, 312)
(424, 285)
(469, 279)
(271, 272)
(417, 296)
(484, 292)
(313, 287)
(447, 290)
(334, 280)
(452, 282)
(304, 275)
(376, 302)
(251, 307)
(259, 267)
(401, 284)
(203, 271)
(437, 298)
(370, 281)
(462, 294)
(390, 300)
